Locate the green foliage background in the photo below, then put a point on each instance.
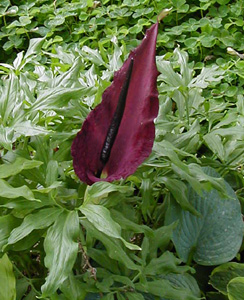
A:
(170, 230)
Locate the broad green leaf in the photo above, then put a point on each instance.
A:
(101, 257)
(230, 131)
(166, 263)
(216, 236)
(7, 191)
(195, 101)
(21, 288)
(185, 70)
(235, 288)
(215, 144)
(184, 280)
(27, 242)
(179, 191)
(203, 175)
(183, 140)
(34, 47)
(113, 246)
(111, 280)
(100, 217)
(7, 224)
(223, 274)
(147, 197)
(6, 137)
(27, 128)
(7, 279)
(93, 296)
(93, 55)
(127, 224)
(51, 172)
(18, 60)
(9, 97)
(17, 166)
(21, 206)
(115, 61)
(180, 101)
(160, 239)
(227, 120)
(164, 289)
(69, 77)
(207, 76)
(99, 190)
(4, 6)
(57, 97)
(134, 296)
(166, 149)
(61, 249)
(39, 220)
(48, 189)
(168, 75)
(73, 289)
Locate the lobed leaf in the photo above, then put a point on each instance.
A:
(61, 249)
(7, 279)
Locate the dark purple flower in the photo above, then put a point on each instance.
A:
(117, 136)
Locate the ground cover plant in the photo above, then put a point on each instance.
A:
(171, 230)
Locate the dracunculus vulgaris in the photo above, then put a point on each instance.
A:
(118, 135)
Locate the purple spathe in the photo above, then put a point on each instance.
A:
(135, 137)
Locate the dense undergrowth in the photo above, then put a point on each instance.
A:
(174, 229)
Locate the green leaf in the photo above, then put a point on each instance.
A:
(164, 289)
(17, 166)
(9, 96)
(7, 191)
(185, 70)
(168, 75)
(7, 224)
(24, 20)
(215, 144)
(127, 224)
(166, 263)
(39, 220)
(100, 217)
(100, 190)
(27, 242)
(207, 76)
(134, 296)
(179, 191)
(51, 172)
(184, 280)
(27, 128)
(48, 189)
(68, 78)
(113, 246)
(6, 136)
(160, 239)
(235, 288)
(18, 60)
(7, 279)
(61, 249)
(147, 197)
(222, 275)
(216, 236)
(34, 47)
(73, 289)
(57, 97)
(102, 258)
(93, 55)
